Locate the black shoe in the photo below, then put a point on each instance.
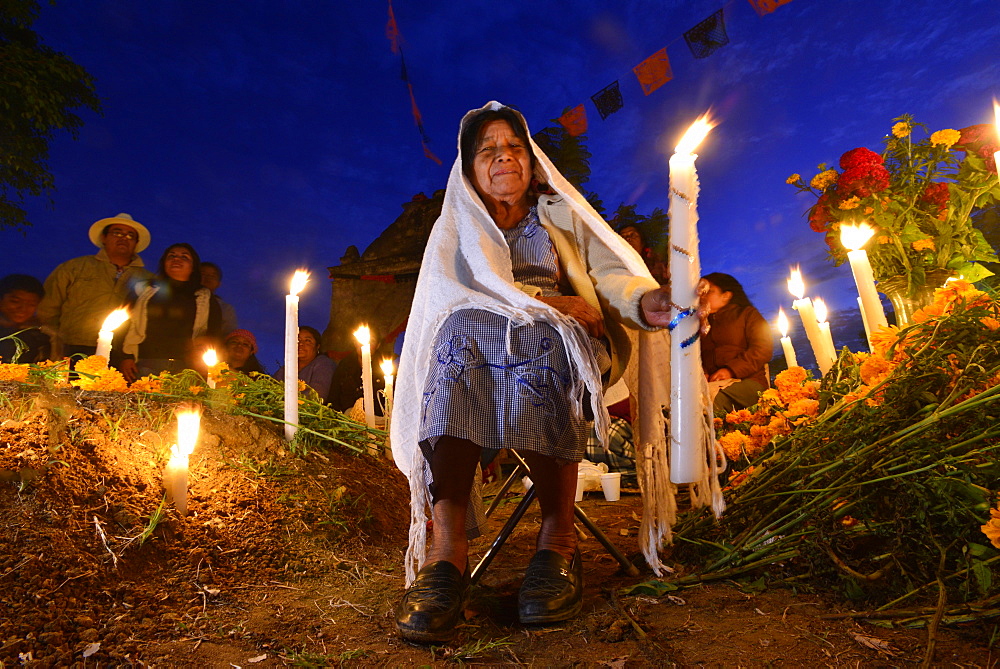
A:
(433, 605)
(552, 590)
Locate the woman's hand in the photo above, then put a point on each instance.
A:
(577, 308)
(656, 307)
(129, 369)
(721, 374)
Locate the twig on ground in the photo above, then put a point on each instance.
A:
(104, 540)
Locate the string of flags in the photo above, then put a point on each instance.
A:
(704, 39)
(395, 39)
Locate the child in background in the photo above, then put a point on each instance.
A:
(19, 298)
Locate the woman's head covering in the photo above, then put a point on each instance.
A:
(245, 335)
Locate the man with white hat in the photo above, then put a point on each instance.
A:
(80, 293)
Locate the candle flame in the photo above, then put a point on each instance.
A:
(695, 134)
(299, 280)
(796, 286)
(363, 335)
(210, 357)
(188, 423)
(114, 320)
(853, 237)
(821, 311)
(782, 322)
(387, 367)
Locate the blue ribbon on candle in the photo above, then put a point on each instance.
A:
(676, 320)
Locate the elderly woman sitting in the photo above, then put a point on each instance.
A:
(516, 324)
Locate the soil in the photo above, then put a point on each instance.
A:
(296, 561)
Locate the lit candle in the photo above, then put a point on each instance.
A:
(825, 337)
(175, 475)
(292, 353)
(803, 305)
(387, 372)
(786, 341)
(687, 426)
(107, 332)
(996, 127)
(211, 359)
(864, 320)
(363, 335)
(854, 237)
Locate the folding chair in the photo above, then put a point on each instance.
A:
(522, 507)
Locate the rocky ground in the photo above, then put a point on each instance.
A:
(296, 561)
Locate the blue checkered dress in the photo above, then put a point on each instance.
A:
(507, 394)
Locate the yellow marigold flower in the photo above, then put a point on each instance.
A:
(850, 203)
(824, 180)
(926, 244)
(869, 210)
(882, 239)
(875, 369)
(92, 364)
(992, 528)
(302, 385)
(12, 372)
(990, 322)
(945, 138)
(794, 178)
(901, 130)
(147, 384)
(195, 390)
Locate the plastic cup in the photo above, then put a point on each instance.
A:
(612, 486)
(581, 483)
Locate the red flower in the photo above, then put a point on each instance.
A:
(819, 215)
(936, 195)
(982, 140)
(858, 157)
(864, 179)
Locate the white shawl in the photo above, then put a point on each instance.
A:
(467, 264)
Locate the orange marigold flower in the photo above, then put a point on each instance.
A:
(769, 397)
(717, 422)
(804, 407)
(12, 372)
(195, 390)
(733, 444)
(791, 376)
(92, 364)
(875, 369)
(882, 239)
(990, 322)
(926, 244)
(992, 528)
(739, 416)
(883, 339)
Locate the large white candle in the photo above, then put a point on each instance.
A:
(829, 351)
(363, 335)
(786, 341)
(803, 305)
(864, 320)
(996, 127)
(211, 359)
(387, 373)
(299, 280)
(107, 332)
(854, 237)
(175, 474)
(687, 458)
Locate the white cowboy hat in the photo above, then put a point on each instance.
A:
(121, 219)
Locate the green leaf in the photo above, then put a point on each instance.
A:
(983, 574)
(655, 588)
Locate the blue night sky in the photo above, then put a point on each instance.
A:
(273, 135)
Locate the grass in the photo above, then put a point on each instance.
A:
(266, 469)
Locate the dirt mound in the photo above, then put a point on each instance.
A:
(85, 529)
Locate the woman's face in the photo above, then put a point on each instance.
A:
(716, 298)
(308, 348)
(631, 235)
(178, 263)
(502, 164)
(238, 351)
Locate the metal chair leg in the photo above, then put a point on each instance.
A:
(504, 534)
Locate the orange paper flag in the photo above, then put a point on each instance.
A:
(575, 121)
(763, 7)
(654, 71)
